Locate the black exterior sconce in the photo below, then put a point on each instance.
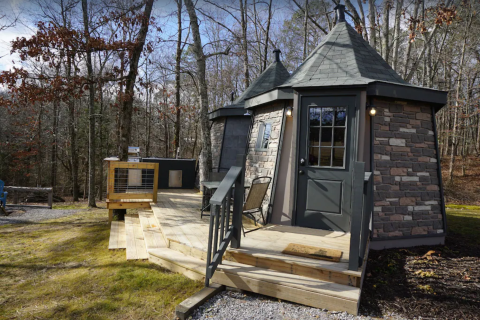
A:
(372, 111)
(289, 111)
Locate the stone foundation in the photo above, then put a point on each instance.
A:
(407, 188)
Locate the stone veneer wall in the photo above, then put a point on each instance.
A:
(406, 189)
(262, 163)
(216, 134)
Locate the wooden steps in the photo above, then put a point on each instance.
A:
(178, 262)
(151, 231)
(136, 249)
(298, 289)
(311, 268)
(304, 290)
(117, 236)
(174, 237)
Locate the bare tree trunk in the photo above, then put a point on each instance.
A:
(243, 13)
(371, 21)
(91, 111)
(267, 35)
(386, 31)
(206, 155)
(127, 104)
(102, 149)
(457, 98)
(396, 40)
(305, 31)
(408, 51)
(178, 60)
(362, 19)
(53, 152)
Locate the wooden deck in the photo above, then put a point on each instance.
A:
(173, 235)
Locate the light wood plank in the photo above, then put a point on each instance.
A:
(131, 250)
(178, 262)
(151, 232)
(122, 241)
(113, 241)
(139, 240)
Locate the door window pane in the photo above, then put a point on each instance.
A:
(327, 117)
(339, 137)
(313, 156)
(314, 137)
(338, 155)
(314, 117)
(325, 157)
(327, 136)
(340, 116)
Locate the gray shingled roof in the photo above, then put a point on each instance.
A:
(272, 77)
(343, 58)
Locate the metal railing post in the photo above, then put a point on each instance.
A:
(357, 210)
(238, 204)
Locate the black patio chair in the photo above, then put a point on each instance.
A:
(208, 193)
(255, 198)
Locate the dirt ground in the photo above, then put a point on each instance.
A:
(465, 189)
(440, 282)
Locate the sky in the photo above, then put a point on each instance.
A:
(26, 11)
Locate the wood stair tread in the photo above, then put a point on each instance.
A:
(176, 261)
(151, 231)
(135, 240)
(291, 280)
(338, 267)
(329, 266)
(117, 236)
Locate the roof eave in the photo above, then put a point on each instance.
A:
(227, 111)
(435, 97)
(269, 96)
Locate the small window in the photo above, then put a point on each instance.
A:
(264, 132)
(327, 137)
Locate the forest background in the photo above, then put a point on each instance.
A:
(81, 80)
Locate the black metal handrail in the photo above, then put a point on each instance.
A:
(362, 206)
(225, 225)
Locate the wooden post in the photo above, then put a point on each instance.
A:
(155, 183)
(238, 204)
(110, 216)
(356, 219)
(50, 198)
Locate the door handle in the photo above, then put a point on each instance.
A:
(301, 172)
(302, 162)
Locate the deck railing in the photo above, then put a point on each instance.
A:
(362, 214)
(225, 225)
(132, 181)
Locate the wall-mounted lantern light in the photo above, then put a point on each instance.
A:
(372, 111)
(289, 111)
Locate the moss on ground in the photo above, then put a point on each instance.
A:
(62, 269)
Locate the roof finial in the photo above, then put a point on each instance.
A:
(277, 54)
(340, 11)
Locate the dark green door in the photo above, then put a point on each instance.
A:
(326, 149)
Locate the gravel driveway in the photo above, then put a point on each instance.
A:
(238, 306)
(29, 215)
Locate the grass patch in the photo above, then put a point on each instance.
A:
(465, 222)
(462, 206)
(62, 269)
